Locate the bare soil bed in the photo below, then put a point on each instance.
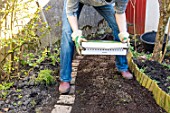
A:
(156, 71)
(101, 89)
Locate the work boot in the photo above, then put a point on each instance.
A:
(64, 87)
(127, 75)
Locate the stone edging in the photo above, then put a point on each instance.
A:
(160, 96)
(65, 102)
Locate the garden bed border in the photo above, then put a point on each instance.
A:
(160, 96)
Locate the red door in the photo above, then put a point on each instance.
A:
(138, 17)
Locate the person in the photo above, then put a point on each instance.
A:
(72, 35)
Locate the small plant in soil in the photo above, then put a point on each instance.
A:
(143, 70)
(158, 72)
(5, 86)
(4, 89)
(141, 55)
(169, 90)
(156, 81)
(45, 76)
(3, 94)
(166, 65)
(168, 79)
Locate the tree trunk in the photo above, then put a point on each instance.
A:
(164, 15)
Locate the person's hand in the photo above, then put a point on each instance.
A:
(124, 37)
(78, 38)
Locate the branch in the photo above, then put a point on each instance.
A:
(2, 62)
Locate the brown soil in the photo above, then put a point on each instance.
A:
(156, 72)
(101, 89)
(153, 69)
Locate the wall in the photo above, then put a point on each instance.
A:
(136, 8)
(54, 15)
(152, 15)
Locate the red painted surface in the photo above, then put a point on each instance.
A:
(140, 14)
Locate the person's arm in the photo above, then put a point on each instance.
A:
(73, 22)
(120, 7)
(71, 9)
(121, 21)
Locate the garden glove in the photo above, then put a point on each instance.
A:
(78, 38)
(124, 37)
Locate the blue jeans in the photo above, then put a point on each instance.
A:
(67, 45)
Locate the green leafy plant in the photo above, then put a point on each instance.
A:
(55, 57)
(19, 103)
(156, 81)
(13, 45)
(169, 90)
(137, 54)
(19, 96)
(15, 104)
(142, 70)
(166, 65)
(168, 78)
(5, 86)
(3, 94)
(45, 76)
(4, 89)
(34, 60)
(18, 90)
(33, 103)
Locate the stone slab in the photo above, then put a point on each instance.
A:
(73, 80)
(66, 99)
(74, 69)
(72, 90)
(61, 109)
(73, 74)
(76, 61)
(79, 57)
(75, 64)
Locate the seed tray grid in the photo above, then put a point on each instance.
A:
(93, 47)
